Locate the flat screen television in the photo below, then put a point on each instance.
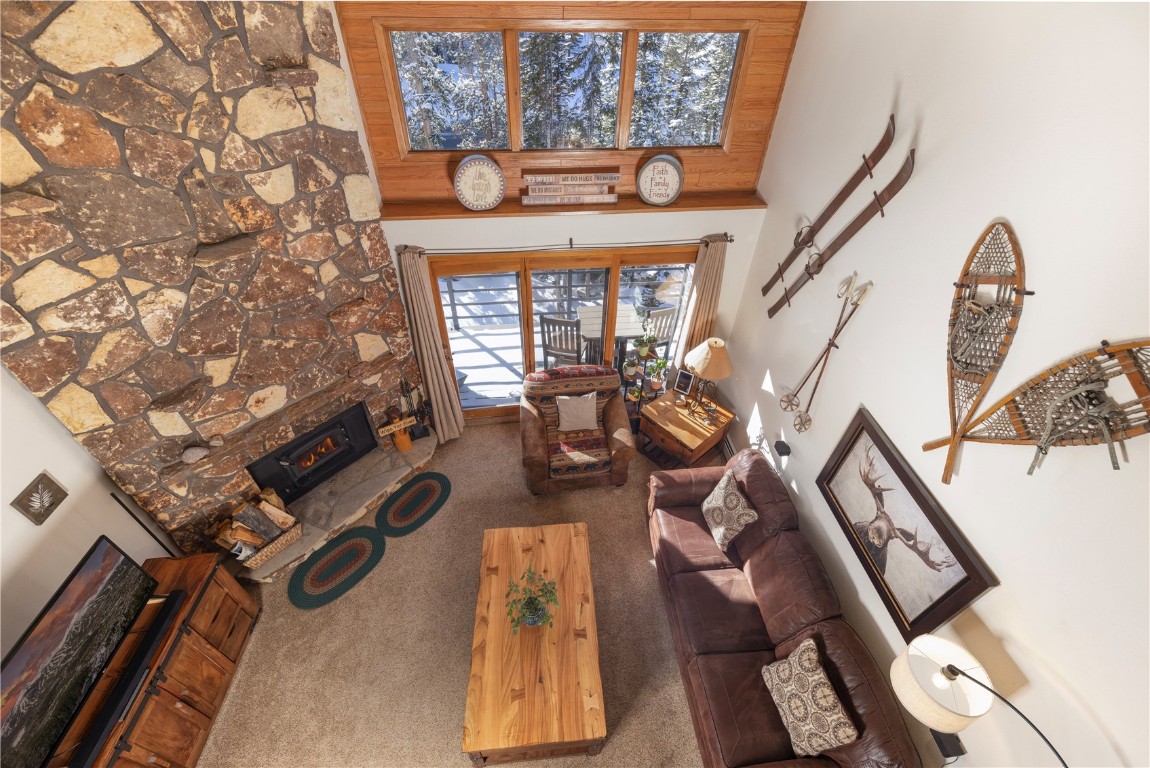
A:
(52, 668)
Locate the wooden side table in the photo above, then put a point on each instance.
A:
(684, 435)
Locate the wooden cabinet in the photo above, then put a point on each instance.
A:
(685, 436)
(166, 731)
(168, 721)
(172, 720)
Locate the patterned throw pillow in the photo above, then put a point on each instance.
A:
(727, 511)
(807, 702)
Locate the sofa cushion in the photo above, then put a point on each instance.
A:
(717, 612)
(578, 453)
(807, 702)
(866, 695)
(685, 544)
(745, 720)
(790, 585)
(726, 511)
(767, 494)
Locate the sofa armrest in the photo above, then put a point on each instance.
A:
(682, 487)
(865, 692)
(533, 438)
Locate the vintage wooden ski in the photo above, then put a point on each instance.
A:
(1068, 404)
(984, 315)
(805, 236)
(819, 259)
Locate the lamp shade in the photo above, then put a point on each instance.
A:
(929, 694)
(709, 360)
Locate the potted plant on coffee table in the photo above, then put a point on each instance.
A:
(528, 598)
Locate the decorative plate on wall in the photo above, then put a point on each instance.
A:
(660, 180)
(479, 183)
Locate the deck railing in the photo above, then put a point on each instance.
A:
(474, 303)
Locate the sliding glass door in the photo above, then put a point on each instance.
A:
(485, 336)
(567, 307)
(502, 315)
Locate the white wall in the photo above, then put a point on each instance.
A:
(34, 560)
(1036, 113)
(477, 232)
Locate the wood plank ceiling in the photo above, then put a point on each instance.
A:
(419, 184)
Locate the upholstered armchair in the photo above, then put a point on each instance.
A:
(593, 453)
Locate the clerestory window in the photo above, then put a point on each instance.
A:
(571, 89)
(538, 86)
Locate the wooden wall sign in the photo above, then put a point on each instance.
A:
(395, 426)
(572, 187)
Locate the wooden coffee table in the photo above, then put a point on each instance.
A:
(538, 693)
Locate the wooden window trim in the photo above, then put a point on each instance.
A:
(418, 184)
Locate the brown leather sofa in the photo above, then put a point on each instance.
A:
(732, 612)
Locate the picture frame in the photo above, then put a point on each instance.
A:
(40, 499)
(684, 380)
(923, 568)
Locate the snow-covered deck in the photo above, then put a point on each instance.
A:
(489, 359)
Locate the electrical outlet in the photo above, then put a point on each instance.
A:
(948, 744)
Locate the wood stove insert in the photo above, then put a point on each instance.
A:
(297, 467)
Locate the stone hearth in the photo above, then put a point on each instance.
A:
(192, 256)
(341, 501)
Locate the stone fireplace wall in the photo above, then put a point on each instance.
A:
(192, 256)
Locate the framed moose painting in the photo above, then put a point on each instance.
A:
(922, 566)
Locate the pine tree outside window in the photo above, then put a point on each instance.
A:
(570, 85)
(681, 85)
(454, 89)
(569, 88)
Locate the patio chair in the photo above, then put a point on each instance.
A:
(586, 456)
(662, 325)
(561, 339)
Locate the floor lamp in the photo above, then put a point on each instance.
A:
(710, 363)
(945, 688)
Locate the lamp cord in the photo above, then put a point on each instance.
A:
(952, 669)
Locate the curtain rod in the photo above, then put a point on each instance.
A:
(569, 246)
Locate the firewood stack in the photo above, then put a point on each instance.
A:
(254, 525)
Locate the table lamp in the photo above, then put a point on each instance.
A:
(710, 363)
(945, 688)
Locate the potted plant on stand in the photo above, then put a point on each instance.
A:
(630, 367)
(658, 374)
(528, 599)
(643, 343)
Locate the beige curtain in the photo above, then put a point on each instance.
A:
(438, 382)
(703, 303)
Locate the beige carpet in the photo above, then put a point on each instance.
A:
(379, 677)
